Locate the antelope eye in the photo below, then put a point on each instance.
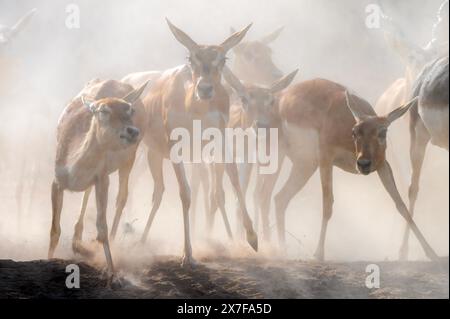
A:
(382, 134)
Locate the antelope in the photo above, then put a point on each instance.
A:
(325, 126)
(95, 137)
(258, 109)
(428, 123)
(91, 89)
(253, 63)
(174, 103)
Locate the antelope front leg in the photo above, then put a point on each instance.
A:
(101, 195)
(199, 177)
(264, 197)
(55, 232)
(155, 164)
(387, 178)
(326, 178)
(185, 195)
(252, 237)
(204, 178)
(419, 141)
(122, 196)
(77, 246)
(219, 196)
(244, 171)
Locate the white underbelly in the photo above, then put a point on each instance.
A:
(302, 143)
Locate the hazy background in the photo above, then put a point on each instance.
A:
(323, 38)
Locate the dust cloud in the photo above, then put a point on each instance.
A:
(50, 63)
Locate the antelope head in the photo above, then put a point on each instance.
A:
(207, 61)
(259, 103)
(113, 120)
(369, 134)
(253, 60)
(8, 33)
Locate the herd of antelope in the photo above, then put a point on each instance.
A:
(321, 125)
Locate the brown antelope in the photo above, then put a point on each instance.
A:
(258, 109)
(93, 88)
(324, 126)
(174, 103)
(95, 138)
(428, 123)
(252, 63)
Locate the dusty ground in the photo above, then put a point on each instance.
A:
(228, 278)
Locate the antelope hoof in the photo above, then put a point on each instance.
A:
(114, 282)
(252, 239)
(188, 262)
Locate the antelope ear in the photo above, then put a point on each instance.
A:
(283, 83)
(134, 95)
(88, 103)
(234, 82)
(272, 36)
(234, 39)
(397, 113)
(22, 22)
(357, 114)
(182, 37)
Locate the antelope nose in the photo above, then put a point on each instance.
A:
(133, 131)
(364, 163)
(205, 89)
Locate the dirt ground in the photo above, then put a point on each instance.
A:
(228, 278)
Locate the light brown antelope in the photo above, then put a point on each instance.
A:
(101, 89)
(428, 123)
(324, 126)
(174, 103)
(96, 137)
(258, 108)
(252, 63)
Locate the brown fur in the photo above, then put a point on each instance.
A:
(348, 134)
(173, 103)
(92, 142)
